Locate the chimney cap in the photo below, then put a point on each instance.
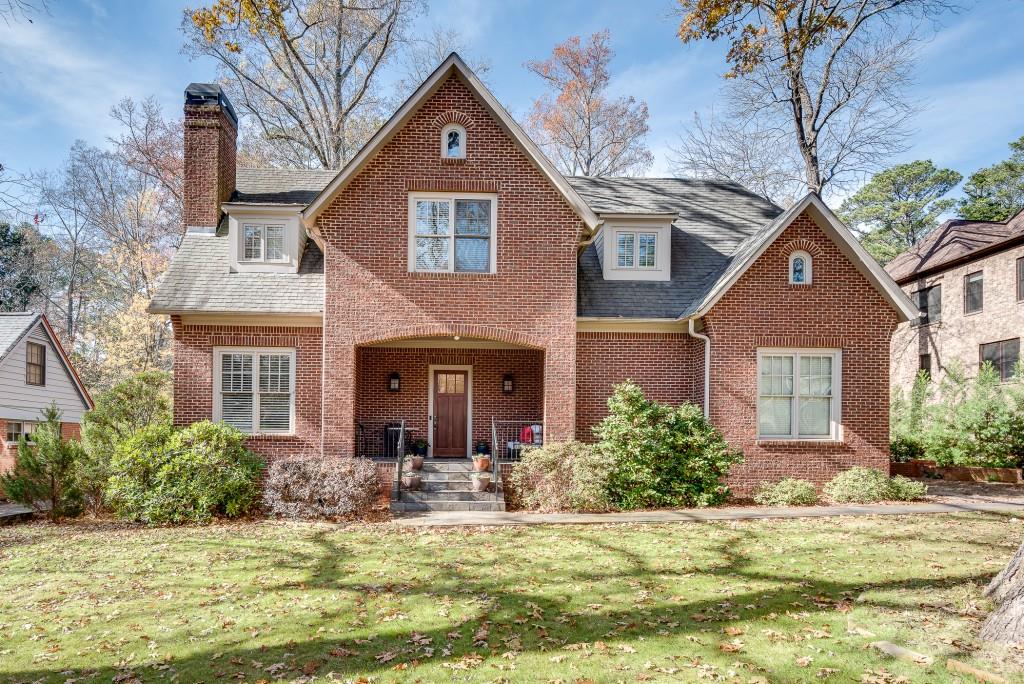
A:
(210, 93)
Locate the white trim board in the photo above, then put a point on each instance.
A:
(453, 65)
(430, 406)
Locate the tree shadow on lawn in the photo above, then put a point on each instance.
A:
(511, 612)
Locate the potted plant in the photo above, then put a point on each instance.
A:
(481, 482)
(416, 461)
(483, 448)
(420, 446)
(411, 480)
(481, 463)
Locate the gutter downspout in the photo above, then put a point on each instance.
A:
(707, 365)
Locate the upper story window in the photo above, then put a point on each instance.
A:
(452, 233)
(1020, 279)
(453, 142)
(636, 249)
(800, 268)
(255, 389)
(1003, 355)
(35, 364)
(798, 393)
(929, 303)
(974, 292)
(263, 243)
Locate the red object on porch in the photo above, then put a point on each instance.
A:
(526, 435)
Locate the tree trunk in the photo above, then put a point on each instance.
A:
(1006, 623)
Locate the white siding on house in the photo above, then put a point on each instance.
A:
(21, 401)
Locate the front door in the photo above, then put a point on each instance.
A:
(451, 404)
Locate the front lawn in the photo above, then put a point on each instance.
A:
(764, 601)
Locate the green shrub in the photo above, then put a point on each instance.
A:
(868, 485)
(162, 475)
(563, 476)
(662, 455)
(786, 492)
(904, 489)
(43, 477)
(903, 449)
(318, 487)
(120, 412)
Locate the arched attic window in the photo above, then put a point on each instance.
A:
(453, 142)
(800, 268)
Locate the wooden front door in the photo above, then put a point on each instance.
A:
(451, 406)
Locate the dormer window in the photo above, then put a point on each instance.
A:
(636, 249)
(800, 268)
(263, 243)
(453, 142)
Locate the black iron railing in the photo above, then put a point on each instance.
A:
(383, 439)
(511, 437)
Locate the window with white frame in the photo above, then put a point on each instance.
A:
(255, 389)
(17, 429)
(798, 394)
(800, 268)
(263, 243)
(453, 142)
(636, 249)
(452, 233)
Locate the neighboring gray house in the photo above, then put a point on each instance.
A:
(35, 372)
(967, 278)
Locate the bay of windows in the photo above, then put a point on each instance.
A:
(798, 394)
(453, 234)
(256, 389)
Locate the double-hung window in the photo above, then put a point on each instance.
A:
(635, 249)
(263, 243)
(18, 429)
(798, 394)
(1020, 279)
(974, 292)
(255, 389)
(1003, 356)
(452, 233)
(929, 303)
(35, 364)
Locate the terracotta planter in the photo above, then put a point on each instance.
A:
(416, 462)
(481, 464)
(481, 481)
(411, 482)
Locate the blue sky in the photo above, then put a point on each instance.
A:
(61, 74)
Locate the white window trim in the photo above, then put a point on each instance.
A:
(263, 225)
(636, 233)
(451, 197)
(444, 141)
(255, 351)
(22, 423)
(836, 423)
(808, 267)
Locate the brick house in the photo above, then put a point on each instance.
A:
(449, 280)
(967, 279)
(35, 372)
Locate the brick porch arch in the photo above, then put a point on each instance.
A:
(467, 330)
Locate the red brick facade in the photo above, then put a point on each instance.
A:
(372, 297)
(210, 158)
(839, 309)
(668, 366)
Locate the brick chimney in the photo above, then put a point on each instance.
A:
(211, 143)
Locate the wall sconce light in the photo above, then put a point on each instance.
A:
(394, 382)
(508, 384)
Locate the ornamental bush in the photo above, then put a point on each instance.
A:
(786, 492)
(163, 475)
(662, 455)
(869, 485)
(563, 476)
(320, 487)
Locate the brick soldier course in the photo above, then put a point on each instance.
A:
(355, 313)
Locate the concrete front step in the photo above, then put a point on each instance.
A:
(450, 495)
(420, 506)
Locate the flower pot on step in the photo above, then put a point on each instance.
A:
(411, 481)
(416, 462)
(481, 464)
(481, 482)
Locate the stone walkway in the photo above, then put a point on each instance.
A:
(458, 518)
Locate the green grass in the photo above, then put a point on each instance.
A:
(775, 601)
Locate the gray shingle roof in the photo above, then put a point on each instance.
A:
(14, 326)
(198, 280)
(716, 221)
(280, 186)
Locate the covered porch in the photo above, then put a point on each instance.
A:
(449, 395)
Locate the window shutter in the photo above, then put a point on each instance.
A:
(236, 411)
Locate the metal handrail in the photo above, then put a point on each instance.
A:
(494, 456)
(401, 460)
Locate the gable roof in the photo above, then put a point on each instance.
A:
(756, 244)
(16, 326)
(955, 242)
(710, 219)
(452, 66)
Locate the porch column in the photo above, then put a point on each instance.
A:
(339, 397)
(560, 389)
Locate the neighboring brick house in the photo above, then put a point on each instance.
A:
(449, 277)
(967, 279)
(35, 373)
